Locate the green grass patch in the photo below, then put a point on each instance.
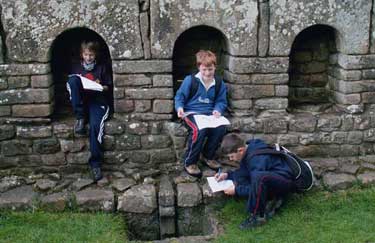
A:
(61, 227)
(317, 216)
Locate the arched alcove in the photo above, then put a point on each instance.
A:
(189, 43)
(65, 51)
(309, 66)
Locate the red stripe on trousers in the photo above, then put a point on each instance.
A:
(194, 128)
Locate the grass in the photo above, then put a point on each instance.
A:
(342, 217)
(60, 227)
(318, 216)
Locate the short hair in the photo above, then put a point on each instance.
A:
(231, 143)
(91, 46)
(206, 58)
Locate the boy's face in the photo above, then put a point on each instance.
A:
(88, 56)
(237, 156)
(207, 72)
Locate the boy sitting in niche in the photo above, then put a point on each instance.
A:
(89, 104)
(207, 100)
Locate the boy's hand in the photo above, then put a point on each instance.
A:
(230, 191)
(180, 112)
(221, 176)
(97, 81)
(216, 114)
(105, 87)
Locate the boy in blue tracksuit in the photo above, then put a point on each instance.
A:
(259, 177)
(207, 100)
(91, 104)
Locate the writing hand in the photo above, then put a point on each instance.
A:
(180, 112)
(230, 191)
(97, 81)
(105, 87)
(216, 114)
(221, 176)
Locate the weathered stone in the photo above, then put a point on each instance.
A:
(328, 123)
(238, 92)
(288, 139)
(338, 181)
(137, 128)
(142, 105)
(7, 132)
(355, 137)
(343, 16)
(281, 78)
(368, 97)
(163, 106)
(16, 147)
(188, 195)
(167, 211)
(41, 81)
(361, 122)
(24, 69)
(73, 146)
(367, 178)
(175, 129)
(281, 90)
(123, 184)
(252, 125)
(264, 16)
(118, 93)
(25, 96)
(143, 226)
(46, 146)
(3, 83)
(132, 80)
(162, 81)
(53, 159)
(128, 142)
(349, 168)
(355, 61)
(152, 66)
(369, 135)
(78, 158)
(16, 82)
(34, 132)
(18, 198)
(258, 65)
(151, 116)
(138, 199)
(271, 104)
(162, 156)
(152, 93)
(33, 22)
(275, 125)
(145, 30)
(95, 199)
(44, 184)
(305, 123)
(32, 110)
(5, 110)
(55, 202)
(240, 104)
(155, 141)
(63, 130)
(166, 193)
(114, 127)
(80, 183)
(10, 182)
(240, 26)
(343, 74)
(124, 105)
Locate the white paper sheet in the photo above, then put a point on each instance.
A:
(204, 121)
(89, 84)
(219, 186)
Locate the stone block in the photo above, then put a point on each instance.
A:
(72, 146)
(124, 105)
(162, 81)
(5, 110)
(167, 226)
(62, 130)
(188, 195)
(349, 75)
(17, 82)
(239, 92)
(143, 66)
(41, 81)
(26, 96)
(123, 184)
(7, 132)
(145, 30)
(3, 83)
(240, 104)
(151, 116)
(24, 69)
(34, 132)
(128, 142)
(275, 125)
(355, 61)
(158, 156)
(18, 198)
(55, 202)
(338, 181)
(367, 178)
(80, 158)
(368, 97)
(288, 139)
(167, 211)
(163, 106)
(53, 159)
(252, 125)
(166, 193)
(137, 128)
(95, 199)
(118, 93)
(328, 123)
(44, 184)
(131, 80)
(281, 90)
(138, 199)
(142, 105)
(16, 147)
(114, 127)
(32, 110)
(155, 141)
(355, 137)
(369, 135)
(305, 123)
(149, 93)
(280, 78)
(271, 103)
(258, 65)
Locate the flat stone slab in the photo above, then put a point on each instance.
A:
(81, 183)
(138, 199)
(55, 202)
(367, 177)
(95, 199)
(44, 184)
(123, 184)
(338, 181)
(188, 195)
(10, 182)
(18, 198)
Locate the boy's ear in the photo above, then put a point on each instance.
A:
(241, 150)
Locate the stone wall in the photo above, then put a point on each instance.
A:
(141, 138)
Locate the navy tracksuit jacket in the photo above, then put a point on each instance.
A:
(92, 104)
(261, 177)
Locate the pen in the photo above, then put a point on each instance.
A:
(219, 172)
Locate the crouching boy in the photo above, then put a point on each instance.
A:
(261, 178)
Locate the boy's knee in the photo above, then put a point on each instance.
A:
(74, 81)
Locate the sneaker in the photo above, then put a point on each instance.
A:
(252, 222)
(193, 170)
(79, 127)
(213, 164)
(97, 174)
